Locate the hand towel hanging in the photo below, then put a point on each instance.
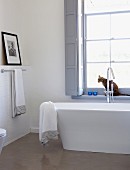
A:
(18, 99)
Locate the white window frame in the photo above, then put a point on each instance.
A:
(100, 90)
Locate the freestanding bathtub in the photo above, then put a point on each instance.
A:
(95, 127)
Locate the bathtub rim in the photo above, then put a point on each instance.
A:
(120, 107)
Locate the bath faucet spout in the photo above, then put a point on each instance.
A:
(110, 90)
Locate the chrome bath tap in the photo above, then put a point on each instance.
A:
(110, 90)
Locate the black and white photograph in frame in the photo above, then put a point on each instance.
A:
(11, 47)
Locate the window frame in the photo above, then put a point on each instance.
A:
(73, 87)
(100, 90)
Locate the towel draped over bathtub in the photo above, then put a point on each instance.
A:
(17, 92)
(47, 122)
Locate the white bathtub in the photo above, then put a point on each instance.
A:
(95, 127)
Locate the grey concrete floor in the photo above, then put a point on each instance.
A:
(28, 154)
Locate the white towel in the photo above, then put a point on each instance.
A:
(47, 122)
(18, 99)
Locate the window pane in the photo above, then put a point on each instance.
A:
(106, 5)
(120, 27)
(122, 74)
(93, 71)
(98, 27)
(98, 51)
(120, 50)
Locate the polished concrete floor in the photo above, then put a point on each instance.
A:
(28, 154)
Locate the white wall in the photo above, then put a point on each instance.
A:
(11, 20)
(46, 53)
(40, 29)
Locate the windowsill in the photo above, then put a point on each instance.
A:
(102, 98)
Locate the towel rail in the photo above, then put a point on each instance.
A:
(3, 70)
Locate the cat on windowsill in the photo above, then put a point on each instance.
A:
(115, 86)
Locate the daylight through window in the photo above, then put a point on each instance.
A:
(107, 41)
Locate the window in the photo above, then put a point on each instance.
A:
(107, 41)
(97, 36)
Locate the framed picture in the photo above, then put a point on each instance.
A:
(11, 48)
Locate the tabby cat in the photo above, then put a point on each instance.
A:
(115, 87)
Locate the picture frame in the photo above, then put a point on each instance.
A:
(11, 48)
